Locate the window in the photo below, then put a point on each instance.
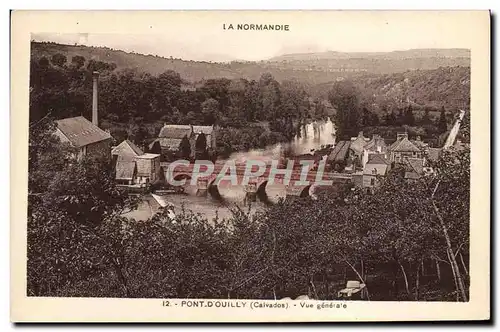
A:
(374, 171)
(372, 182)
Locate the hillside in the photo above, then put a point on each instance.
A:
(394, 55)
(445, 86)
(379, 63)
(305, 68)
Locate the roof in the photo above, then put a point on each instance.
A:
(175, 131)
(207, 130)
(358, 142)
(81, 132)
(414, 168)
(416, 164)
(403, 145)
(419, 144)
(127, 148)
(340, 151)
(375, 142)
(170, 143)
(125, 170)
(377, 158)
(375, 169)
(148, 156)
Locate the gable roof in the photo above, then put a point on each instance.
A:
(358, 142)
(127, 148)
(375, 142)
(377, 159)
(404, 145)
(175, 131)
(415, 164)
(80, 131)
(414, 168)
(419, 144)
(339, 152)
(125, 170)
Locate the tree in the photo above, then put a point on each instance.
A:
(344, 97)
(442, 123)
(210, 111)
(58, 59)
(78, 61)
(185, 148)
(68, 202)
(426, 119)
(409, 117)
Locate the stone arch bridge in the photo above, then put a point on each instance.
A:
(255, 186)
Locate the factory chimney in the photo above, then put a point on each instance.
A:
(95, 78)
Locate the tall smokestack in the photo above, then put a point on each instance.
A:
(95, 78)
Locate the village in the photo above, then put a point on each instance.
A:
(363, 162)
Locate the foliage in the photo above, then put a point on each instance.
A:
(77, 239)
(344, 98)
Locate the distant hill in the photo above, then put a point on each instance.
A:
(445, 86)
(380, 63)
(452, 53)
(311, 69)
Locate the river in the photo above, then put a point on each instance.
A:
(312, 136)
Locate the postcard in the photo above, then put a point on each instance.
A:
(250, 166)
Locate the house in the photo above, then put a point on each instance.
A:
(403, 149)
(125, 171)
(414, 168)
(148, 168)
(420, 144)
(127, 150)
(357, 145)
(210, 134)
(339, 156)
(375, 146)
(86, 137)
(170, 137)
(375, 170)
(133, 166)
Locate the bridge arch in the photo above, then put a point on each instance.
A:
(213, 189)
(261, 191)
(298, 191)
(182, 176)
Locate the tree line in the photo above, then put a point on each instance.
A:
(80, 245)
(134, 104)
(354, 113)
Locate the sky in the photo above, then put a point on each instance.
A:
(200, 35)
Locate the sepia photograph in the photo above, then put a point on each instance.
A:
(256, 160)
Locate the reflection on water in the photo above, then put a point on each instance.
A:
(312, 136)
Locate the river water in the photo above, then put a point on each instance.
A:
(312, 136)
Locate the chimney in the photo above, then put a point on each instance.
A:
(95, 78)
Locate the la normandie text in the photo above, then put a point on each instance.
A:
(256, 27)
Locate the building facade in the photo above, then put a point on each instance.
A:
(89, 140)
(403, 149)
(170, 137)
